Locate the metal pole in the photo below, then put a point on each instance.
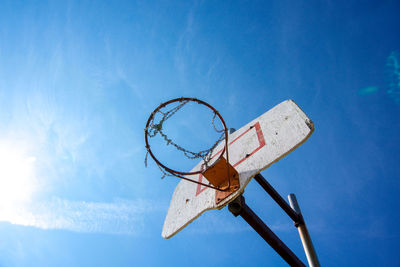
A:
(278, 199)
(239, 207)
(304, 235)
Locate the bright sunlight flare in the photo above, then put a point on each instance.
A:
(16, 174)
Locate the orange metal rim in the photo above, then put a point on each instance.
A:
(175, 172)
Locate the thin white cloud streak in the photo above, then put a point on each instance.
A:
(118, 217)
(184, 43)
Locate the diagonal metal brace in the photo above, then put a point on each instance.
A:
(295, 216)
(239, 207)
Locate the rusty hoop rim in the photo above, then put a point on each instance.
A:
(181, 99)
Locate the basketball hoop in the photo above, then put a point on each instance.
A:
(212, 172)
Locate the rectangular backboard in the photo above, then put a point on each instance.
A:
(252, 148)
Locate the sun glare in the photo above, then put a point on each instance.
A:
(16, 174)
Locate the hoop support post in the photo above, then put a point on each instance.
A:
(294, 212)
(239, 207)
(304, 235)
(296, 217)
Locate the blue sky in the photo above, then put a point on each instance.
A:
(78, 80)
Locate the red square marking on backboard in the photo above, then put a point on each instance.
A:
(261, 142)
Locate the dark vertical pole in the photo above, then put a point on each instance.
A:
(239, 207)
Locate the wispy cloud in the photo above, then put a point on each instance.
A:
(118, 217)
(393, 71)
(369, 90)
(184, 43)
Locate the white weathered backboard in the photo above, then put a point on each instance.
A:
(252, 148)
